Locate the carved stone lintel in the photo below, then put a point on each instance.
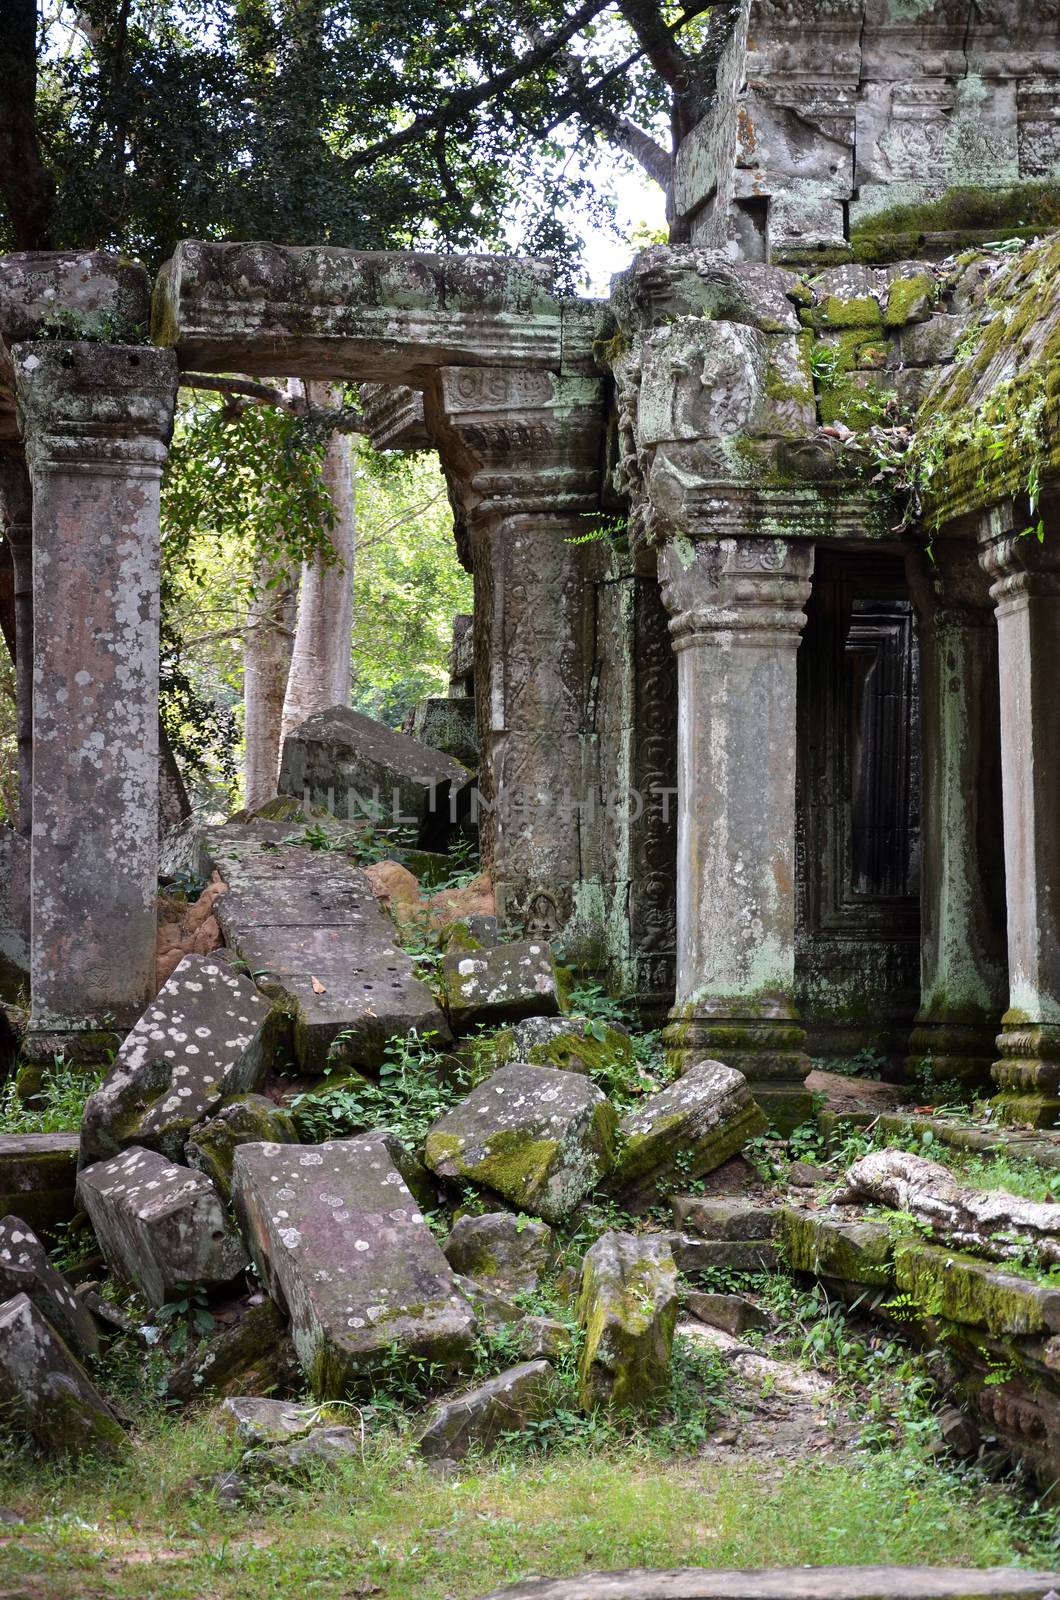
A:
(1025, 587)
(736, 610)
(964, 971)
(97, 420)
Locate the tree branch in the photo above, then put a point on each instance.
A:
(465, 100)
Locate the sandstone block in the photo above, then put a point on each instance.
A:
(501, 1405)
(724, 1219)
(574, 1044)
(510, 1253)
(341, 1243)
(254, 1354)
(26, 1269)
(247, 1119)
(44, 1388)
(259, 1421)
(688, 1129)
(695, 1256)
(161, 1227)
(498, 985)
(202, 1038)
(38, 1177)
(855, 1252)
(730, 1312)
(628, 1308)
(539, 1138)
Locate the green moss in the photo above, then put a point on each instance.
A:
(961, 1289)
(906, 296)
(857, 1252)
(861, 311)
(977, 213)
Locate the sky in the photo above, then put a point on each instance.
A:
(640, 205)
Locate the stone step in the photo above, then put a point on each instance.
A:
(724, 1219)
(852, 1251)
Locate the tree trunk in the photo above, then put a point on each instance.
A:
(266, 661)
(983, 1220)
(320, 663)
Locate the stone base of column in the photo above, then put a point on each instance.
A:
(95, 1045)
(769, 1052)
(1028, 1075)
(951, 1052)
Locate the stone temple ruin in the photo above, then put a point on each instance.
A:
(774, 750)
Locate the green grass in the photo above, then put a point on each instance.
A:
(139, 1530)
(58, 1106)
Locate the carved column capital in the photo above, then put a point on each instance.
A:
(1019, 564)
(516, 440)
(91, 407)
(735, 587)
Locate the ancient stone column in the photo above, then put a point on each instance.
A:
(16, 512)
(522, 450)
(97, 421)
(963, 962)
(1026, 593)
(736, 608)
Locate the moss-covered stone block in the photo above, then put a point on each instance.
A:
(244, 1119)
(853, 1252)
(573, 1044)
(45, 1390)
(960, 1288)
(510, 1253)
(689, 1128)
(38, 1178)
(628, 1307)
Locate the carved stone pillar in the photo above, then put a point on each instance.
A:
(963, 964)
(16, 511)
(97, 421)
(736, 608)
(521, 450)
(1026, 593)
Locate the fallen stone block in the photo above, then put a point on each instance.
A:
(527, 1337)
(322, 1447)
(685, 1130)
(341, 1243)
(695, 1256)
(355, 766)
(201, 1038)
(724, 1219)
(259, 1421)
(256, 1353)
(853, 1252)
(510, 1253)
(26, 1269)
(480, 1417)
(573, 1044)
(499, 985)
(447, 724)
(247, 1119)
(160, 1227)
(310, 929)
(791, 1583)
(977, 1293)
(539, 1138)
(44, 1388)
(38, 1177)
(730, 1312)
(628, 1307)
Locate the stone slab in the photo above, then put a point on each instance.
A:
(724, 1219)
(38, 1177)
(44, 1388)
(790, 1583)
(480, 1417)
(160, 1227)
(730, 1312)
(344, 760)
(698, 1256)
(539, 1138)
(258, 1421)
(341, 1243)
(203, 1037)
(829, 1247)
(499, 985)
(962, 1289)
(687, 1129)
(26, 1269)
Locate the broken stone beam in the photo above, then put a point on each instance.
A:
(200, 1039)
(389, 316)
(686, 1130)
(159, 1226)
(45, 1390)
(340, 1242)
(94, 293)
(97, 421)
(26, 1269)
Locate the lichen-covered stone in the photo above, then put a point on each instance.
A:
(510, 1253)
(499, 985)
(38, 1177)
(628, 1307)
(202, 1038)
(684, 1131)
(25, 1269)
(247, 1119)
(722, 1218)
(341, 754)
(855, 1252)
(259, 1421)
(568, 1043)
(479, 1417)
(320, 1447)
(45, 1390)
(539, 1138)
(160, 1227)
(254, 1354)
(959, 1288)
(340, 1242)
